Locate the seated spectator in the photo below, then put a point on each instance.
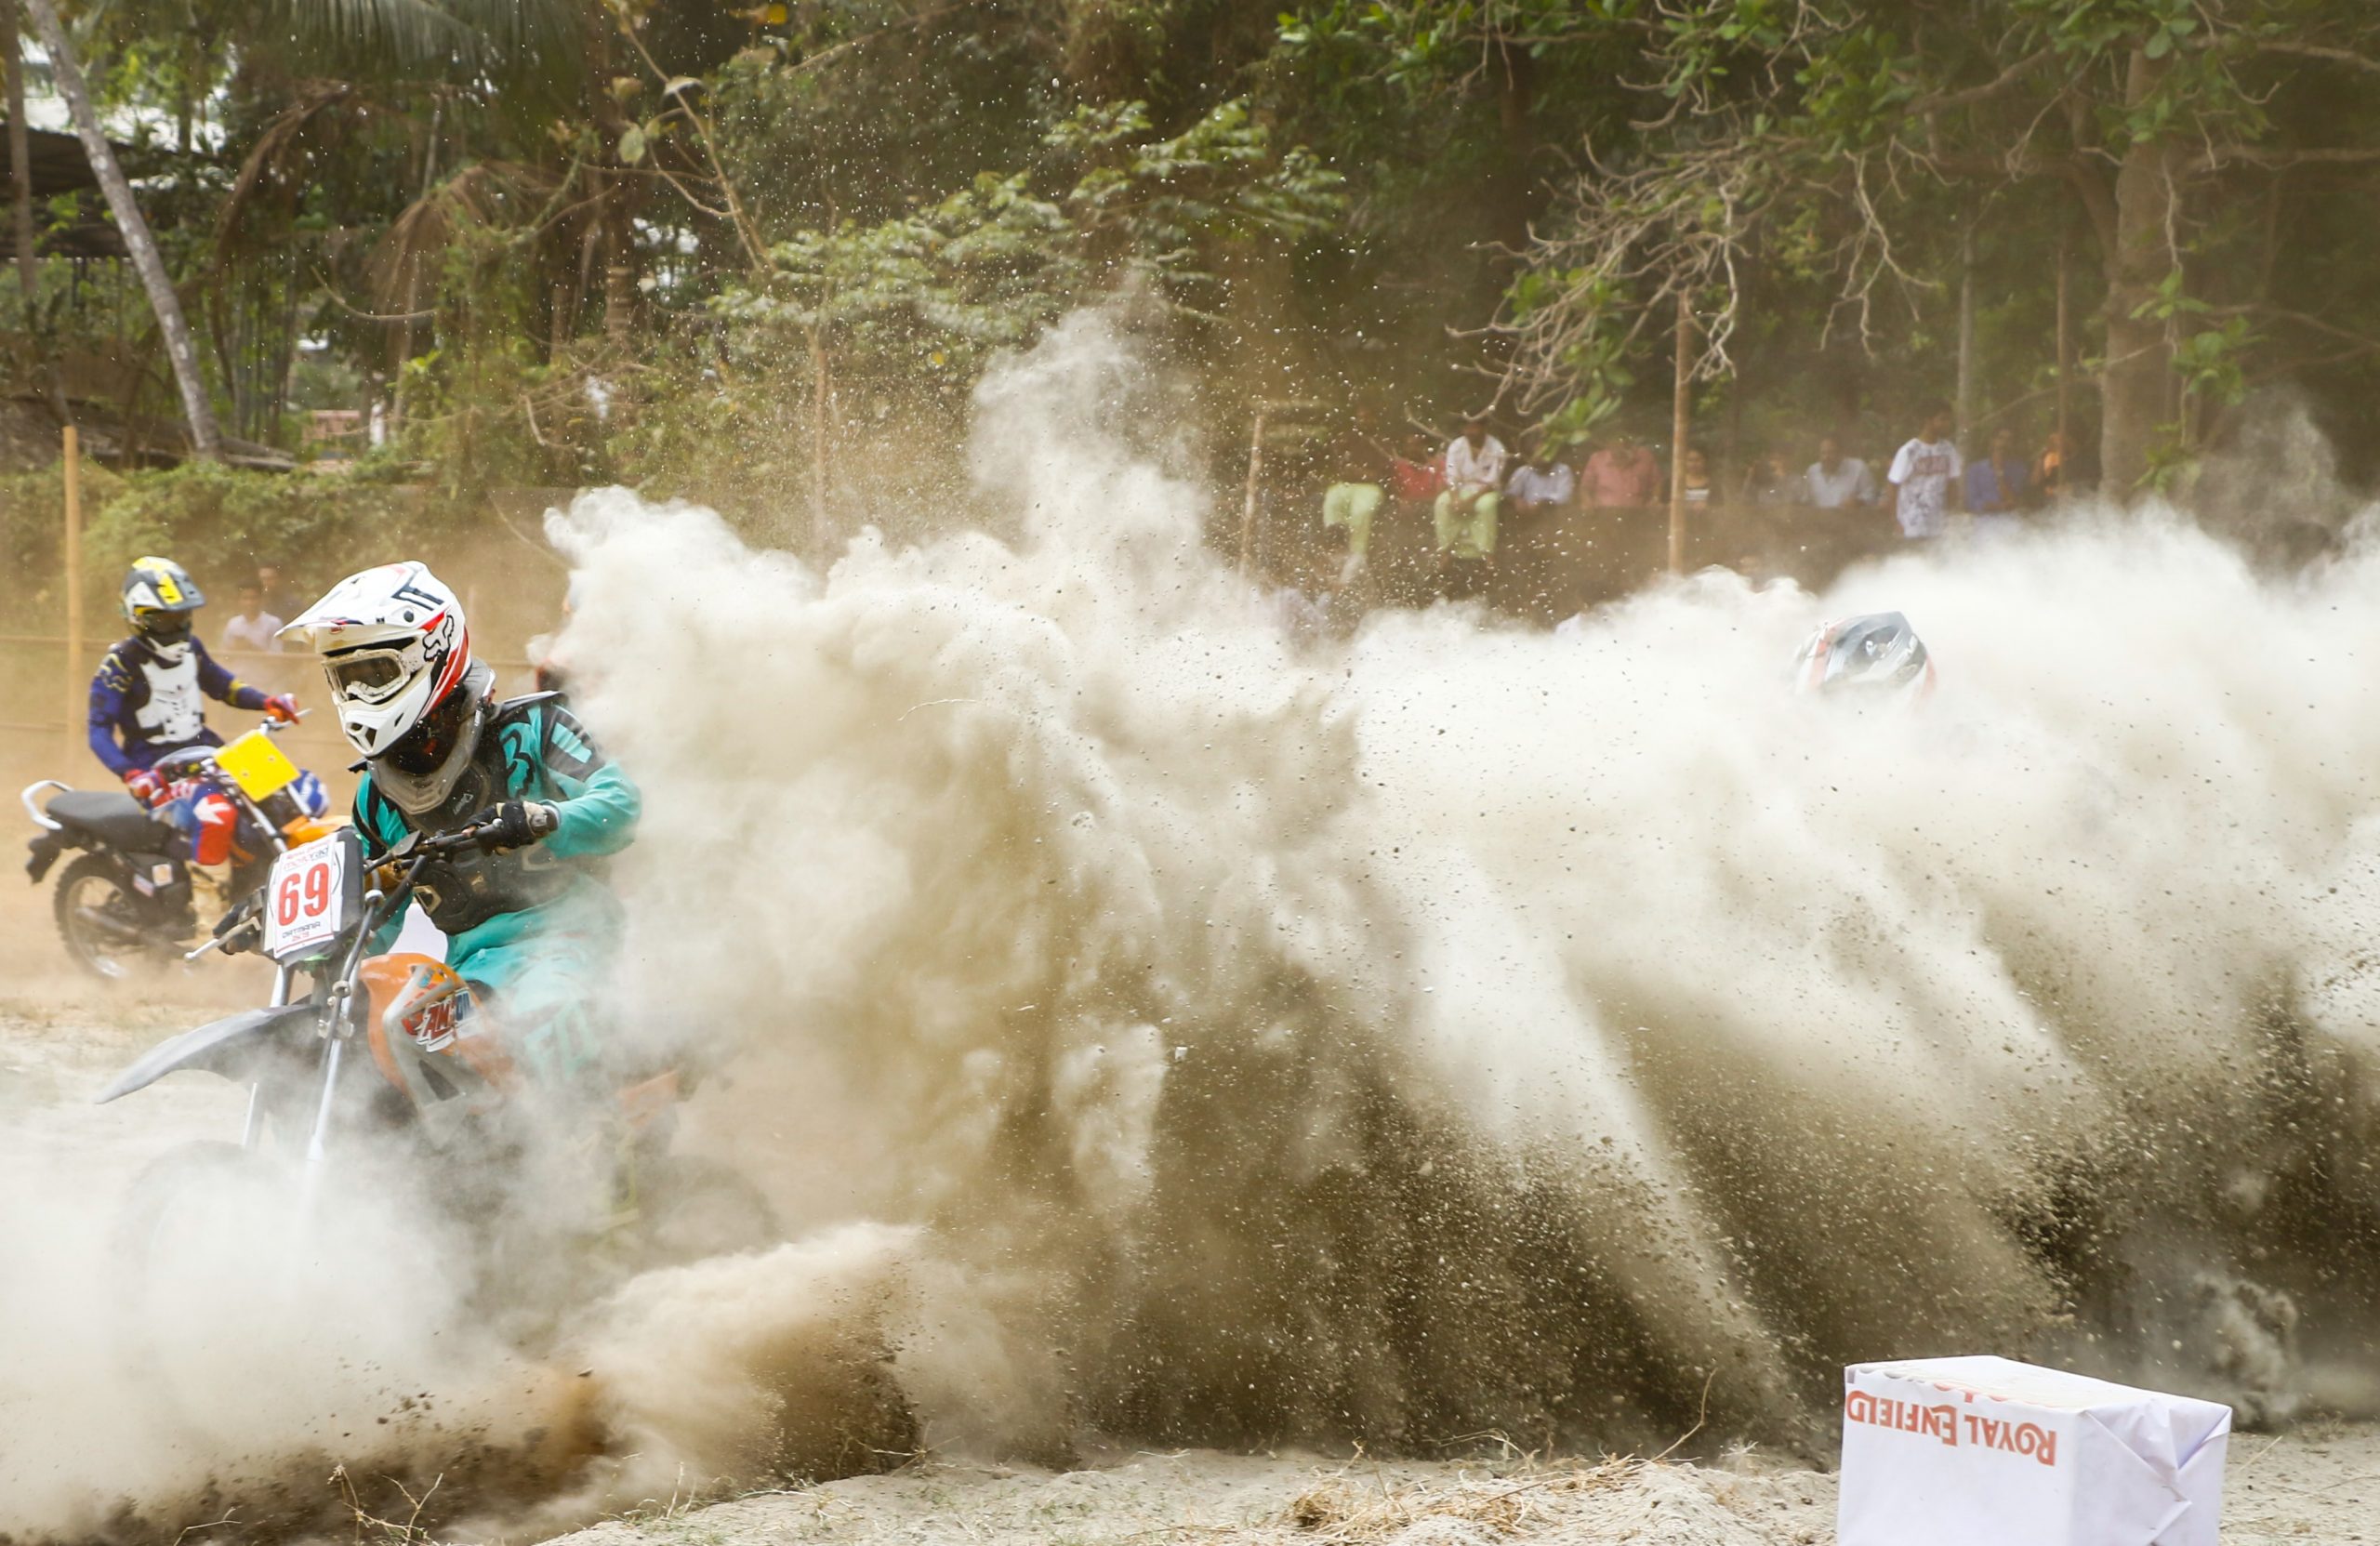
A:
(1416, 474)
(1623, 473)
(1466, 512)
(1542, 484)
(1698, 477)
(1359, 467)
(1997, 486)
(1836, 482)
(1771, 482)
(2060, 472)
(253, 629)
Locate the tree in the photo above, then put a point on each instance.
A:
(198, 408)
(928, 295)
(1817, 142)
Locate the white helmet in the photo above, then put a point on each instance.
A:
(401, 677)
(1874, 657)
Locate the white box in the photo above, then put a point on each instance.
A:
(1989, 1452)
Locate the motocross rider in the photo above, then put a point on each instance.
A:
(145, 697)
(1874, 658)
(531, 922)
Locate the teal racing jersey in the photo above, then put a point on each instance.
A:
(531, 748)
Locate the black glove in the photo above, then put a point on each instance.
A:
(514, 823)
(241, 928)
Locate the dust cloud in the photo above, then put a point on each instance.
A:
(1147, 1022)
(1463, 1028)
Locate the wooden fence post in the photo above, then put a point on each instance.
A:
(1681, 426)
(1248, 507)
(77, 684)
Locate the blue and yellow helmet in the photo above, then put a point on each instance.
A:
(159, 596)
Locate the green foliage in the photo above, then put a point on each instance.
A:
(32, 528)
(220, 523)
(933, 291)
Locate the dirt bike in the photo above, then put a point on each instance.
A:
(130, 897)
(357, 1058)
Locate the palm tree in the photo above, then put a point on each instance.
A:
(198, 409)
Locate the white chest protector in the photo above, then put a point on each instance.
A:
(175, 712)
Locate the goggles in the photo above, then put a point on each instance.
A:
(159, 623)
(372, 675)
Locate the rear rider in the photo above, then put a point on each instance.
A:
(149, 698)
(532, 923)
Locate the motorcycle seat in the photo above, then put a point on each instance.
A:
(117, 820)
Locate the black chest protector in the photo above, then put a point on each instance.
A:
(463, 890)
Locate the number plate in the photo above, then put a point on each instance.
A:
(258, 767)
(312, 895)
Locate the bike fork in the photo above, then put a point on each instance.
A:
(256, 1086)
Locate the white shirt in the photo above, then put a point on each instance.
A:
(1553, 486)
(1923, 471)
(242, 634)
(1848, 484)
(1480, 468)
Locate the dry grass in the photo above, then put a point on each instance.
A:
(1344, 1508)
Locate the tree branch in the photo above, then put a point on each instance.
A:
(2320, 51)
(2249, 156)
(2008, 80)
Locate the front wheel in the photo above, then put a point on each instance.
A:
(109, 931)
(203, 1225)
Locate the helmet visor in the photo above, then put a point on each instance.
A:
(166, 627)
(425, 749)
(370, 676)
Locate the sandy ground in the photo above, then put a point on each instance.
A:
(2317, 1482)
(59, 1041)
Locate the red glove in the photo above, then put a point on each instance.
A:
(146, 787)
(282, 707)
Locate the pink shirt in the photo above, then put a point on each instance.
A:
(1621, 478)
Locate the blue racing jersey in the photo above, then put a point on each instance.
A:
(143, 707)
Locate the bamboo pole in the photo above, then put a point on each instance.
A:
(2065, 360)
(1248, 506)
(819, 534)
(76, 688)
(1681, 426)
(1966, 328)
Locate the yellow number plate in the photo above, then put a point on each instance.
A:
(257, 766)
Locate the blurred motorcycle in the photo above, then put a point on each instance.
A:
(358, 1057)
(131, 896)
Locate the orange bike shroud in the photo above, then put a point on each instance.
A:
(433, 1026)
(446, 1004)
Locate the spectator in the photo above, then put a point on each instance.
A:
(1542, 484)
(1771, 483)
(2059, 472)
(1361, 466)
(1996, 487)
(1416, 476)
(277, 598)
(1467, 510)
(1835, 481)
(1623, 473)
(1925, 477)
(253, 629)
(1698, 477)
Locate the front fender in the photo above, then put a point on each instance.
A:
(237, 1047)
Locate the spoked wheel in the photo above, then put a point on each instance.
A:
(103, 925)
(203, 1230)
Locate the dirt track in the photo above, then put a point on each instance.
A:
(60, 1040)
(2319, 1483)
